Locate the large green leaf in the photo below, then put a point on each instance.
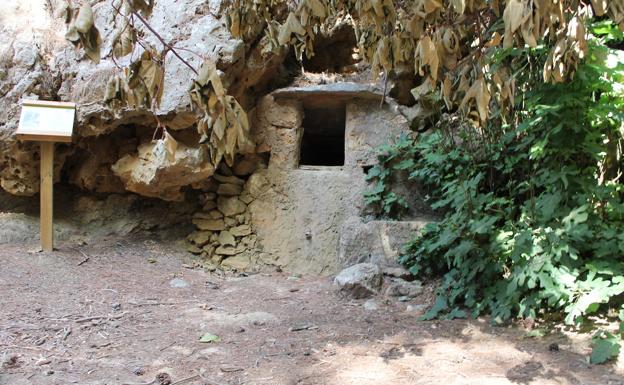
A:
(605, 347)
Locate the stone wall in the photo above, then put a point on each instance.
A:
(298, 219)
(224, 234)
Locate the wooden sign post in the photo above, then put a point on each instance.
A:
(46, 122)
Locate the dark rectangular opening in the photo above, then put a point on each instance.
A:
(323, 142)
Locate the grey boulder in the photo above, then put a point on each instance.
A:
(402, 288)
(360, 281)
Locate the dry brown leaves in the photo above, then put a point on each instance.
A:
(224, 126)
(139, 85)
(447, 42)
(81, 30)
(125, 36)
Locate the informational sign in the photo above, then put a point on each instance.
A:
(46, 121)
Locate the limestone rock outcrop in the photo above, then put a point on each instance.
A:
(155, 172)
(37, 62)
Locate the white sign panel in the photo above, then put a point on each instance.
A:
(46, 121)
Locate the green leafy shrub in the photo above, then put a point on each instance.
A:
(533, 208)
(393, 158)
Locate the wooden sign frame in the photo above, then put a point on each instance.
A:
(35, 121)
(46, 122)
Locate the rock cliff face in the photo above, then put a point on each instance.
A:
(115, 150)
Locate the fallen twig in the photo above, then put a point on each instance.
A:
(160, 303)
(140, 383)
(230, 369)
(26, 347)
(168, 346)
(66, 332)
(186, 379)
(86, 257)
(209, 381)
(103, 345)
(88, 319)
(302, 327)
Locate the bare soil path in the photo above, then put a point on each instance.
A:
(108, 314)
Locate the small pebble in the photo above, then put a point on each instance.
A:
(178, 283)
(416, 308)
(42, 361)
(370, 305)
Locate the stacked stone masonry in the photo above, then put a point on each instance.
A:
(224, 234)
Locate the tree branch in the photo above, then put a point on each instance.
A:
(169, 47)
(152, 30)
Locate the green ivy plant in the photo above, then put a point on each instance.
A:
(533, 208)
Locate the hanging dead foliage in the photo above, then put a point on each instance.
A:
(224, 127)
(143, 6)
(138, 85)
(81, 30)
(245, 19)
(447, 43)
(124, 40)
(298, 29)
(125, 35)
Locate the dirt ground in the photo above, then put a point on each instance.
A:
(107, 314)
